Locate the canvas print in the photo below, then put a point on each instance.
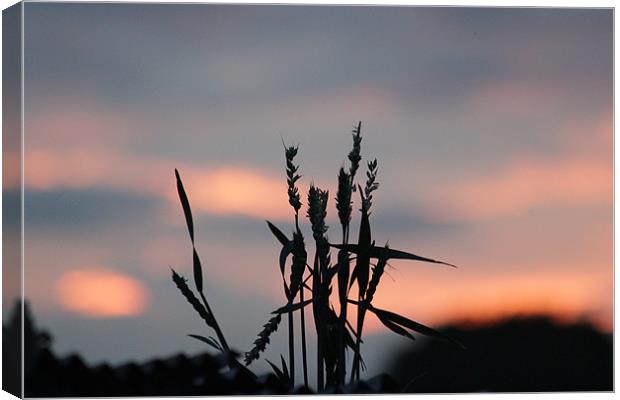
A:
(251, 199)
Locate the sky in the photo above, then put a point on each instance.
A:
(492, 128)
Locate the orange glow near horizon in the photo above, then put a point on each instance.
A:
(100, 293)
(565, 298)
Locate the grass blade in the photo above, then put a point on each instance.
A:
(376, 251)
(402, 255)
(292, 307)
(300, 256)
(278, 234)
(394, 328)
(282, 377)
(284, 367)
(185, 203)
(276, 370)
(210, 341)
(362, 265)
(412, 325)
(197, 272)
(284, 253)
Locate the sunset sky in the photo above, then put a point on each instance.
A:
(492, 129)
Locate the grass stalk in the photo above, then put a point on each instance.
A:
(216, 326)
(304, 355)
(334, 332)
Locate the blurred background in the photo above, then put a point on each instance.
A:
(492, 129)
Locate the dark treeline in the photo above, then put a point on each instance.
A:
(517, 355)
(49, 375)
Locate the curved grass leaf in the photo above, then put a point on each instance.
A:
(278, 234)
(376, 251)
(410, 324)
(343, 276)
(276, 370)
(185, 203)
(287, 248)
(284, 378)
(292, 307)
(403, 255)
(284, 367)
(395, 328)
(210, 341)
(361, 270)
(284, 253)
(197, 272)
(300, 256)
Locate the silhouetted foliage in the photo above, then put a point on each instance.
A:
(334, 334)
(518, 355)
(47, 375)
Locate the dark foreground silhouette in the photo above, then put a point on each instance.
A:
(532, 355)
(47, 375)
(518, 355)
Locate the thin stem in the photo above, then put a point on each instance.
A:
(291, 347)
(355, 369)
(216, 327)
(342, 364)
(316, 283)
(303, 337)
(303, 319)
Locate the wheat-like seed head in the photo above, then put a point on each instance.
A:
(377, 272)
(371, 184)
(181, 283)
(355, 153)
(299, 263)
(343, 197)
(317, 211)
(260, 344)
(292, 177)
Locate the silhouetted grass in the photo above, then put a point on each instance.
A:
(334, 333)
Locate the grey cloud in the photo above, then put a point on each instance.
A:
(214, 55)
(80, 209)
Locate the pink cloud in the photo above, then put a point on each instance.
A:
(517, 99)
(219, 190)
(525, 184)
(232, 190)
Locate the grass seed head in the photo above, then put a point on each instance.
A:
(292, 177)
(343, 197)
(299, 263)
(377, 272)
(317, 211)
(371, 184)
(260, 344)
(181, 283)
(355, 154)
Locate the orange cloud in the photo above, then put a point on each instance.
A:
(100, 293)
(233, 190)
(526, 184)
(564, 296)
(220, 190)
